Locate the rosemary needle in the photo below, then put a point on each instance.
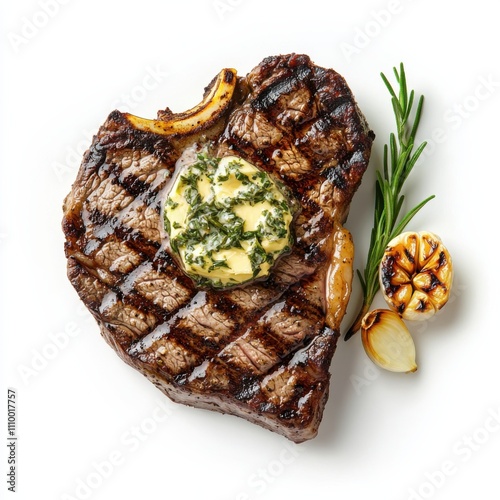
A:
(399, 160)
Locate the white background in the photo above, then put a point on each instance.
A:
(91, 427)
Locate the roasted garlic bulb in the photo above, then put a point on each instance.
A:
(416, 274)
(387, 341)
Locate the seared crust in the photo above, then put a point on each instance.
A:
(261, 351)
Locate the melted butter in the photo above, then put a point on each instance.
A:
(252, 215)
(230, 187)
(227, 188)
(239, 267)
(205, 188)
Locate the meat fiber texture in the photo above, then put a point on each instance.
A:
(260, 351)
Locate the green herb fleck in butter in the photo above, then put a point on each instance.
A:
(227, 220)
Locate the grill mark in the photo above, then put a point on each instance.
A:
(133, 238)
(132, 184)
(323, 123)
(120, 335)
(254, 309)
(247, 388)
(229, 311)
(184, 336)
(288, 394)
(141, 244)
(203, 331)
(98, 218)
(128, 297)
(190, 340)
(236, 358)
(274, 282)
(163, 262)
(144, 349)
(106, 227)
(165, 355)
(288, 340)
(86, 282)
(147, 194)
(193, 341)
(107, 196)
(93, 159)
(267, 98)
(337, 177)
(143, 304)
(274, 344)
(117, 133)
(139, 303)
(251, 339)
(298, 301)
(113, 304)
(96, 250)
(165, 292)
(137, 206)
(337, 108)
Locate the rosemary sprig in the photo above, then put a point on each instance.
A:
(399, 160)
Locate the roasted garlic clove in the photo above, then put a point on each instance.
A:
(387, 341)
(416, 274)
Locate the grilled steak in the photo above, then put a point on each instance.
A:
(260, 351)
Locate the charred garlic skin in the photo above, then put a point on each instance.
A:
(416, 275)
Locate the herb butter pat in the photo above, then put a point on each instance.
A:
(227, 220)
